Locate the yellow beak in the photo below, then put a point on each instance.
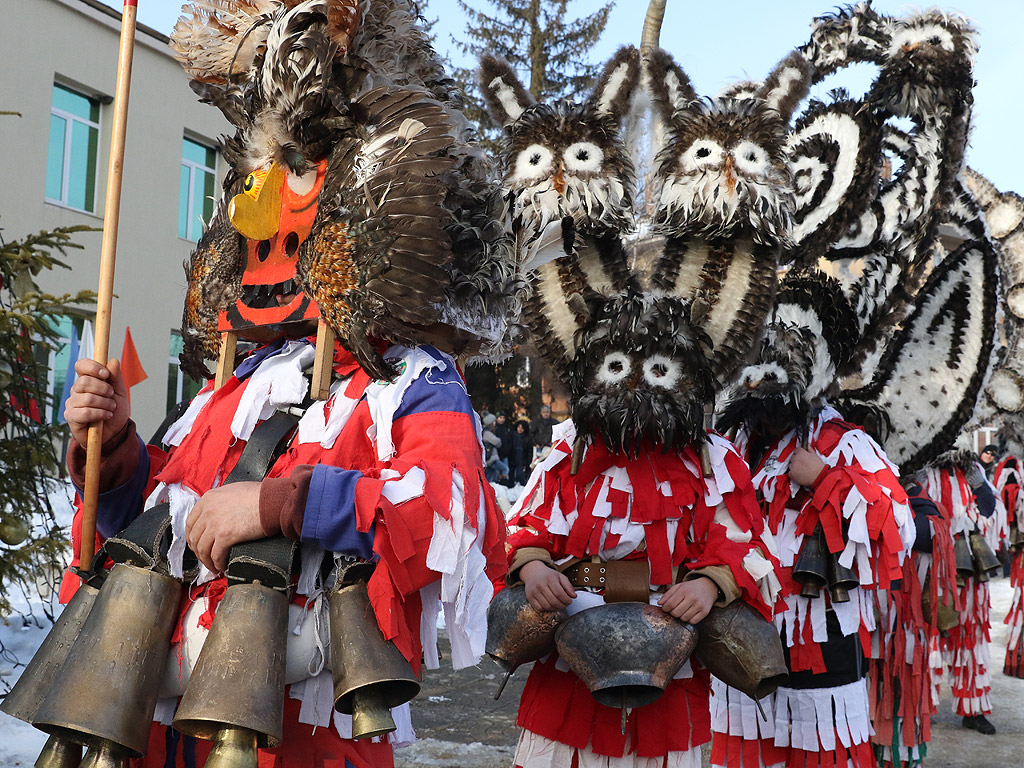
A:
(259, 217)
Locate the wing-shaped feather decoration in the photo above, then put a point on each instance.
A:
(214, 278)
(835, 157)
(375, 261)
(930, 376)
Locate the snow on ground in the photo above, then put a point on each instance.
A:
(431, 752)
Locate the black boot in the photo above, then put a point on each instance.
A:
(980, 724)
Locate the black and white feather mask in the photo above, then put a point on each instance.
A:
(565, 159)
(640, 377)
(723, 167)
(807, 342)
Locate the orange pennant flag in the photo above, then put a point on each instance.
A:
(131, 367)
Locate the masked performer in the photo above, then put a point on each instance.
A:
(354, 200)
(635, 487)
(1007, 480)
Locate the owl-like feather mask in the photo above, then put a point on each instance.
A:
(640, 377)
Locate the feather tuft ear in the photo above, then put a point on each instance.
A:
(506, 97)
(787, 85)
(670, 86)
(617, 83)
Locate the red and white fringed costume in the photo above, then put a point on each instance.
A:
(902, 694)
(822, 718)
(1007, 480)
(966, 648)
(661, 507)
(397, 469)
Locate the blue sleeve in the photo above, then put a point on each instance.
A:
(330, 514)
(986, 499)
(923, 508)
(119, 506)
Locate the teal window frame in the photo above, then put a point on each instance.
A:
(197, 188)
(74, 149)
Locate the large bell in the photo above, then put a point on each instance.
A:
(811, 567)
(964, 561)
(235, 696)
(107, 689)
(517, 632)
(59, 753)
(985, 560)
(1016, 538)
(28, 693)
(946, 616)
(840, 579)
(371, 676)
(742, 649)
(625, 653)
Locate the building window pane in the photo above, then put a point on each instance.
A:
(55, 158)
(60, 363)
(74, 150)
(195, 197)
(179, 386)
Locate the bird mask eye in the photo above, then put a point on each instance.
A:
(615, 367)
(750, 158)
(661, 371)
(254, 182)
(534, 162)
(583, 157)
(701, 154)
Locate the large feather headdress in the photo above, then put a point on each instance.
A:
(355, 192)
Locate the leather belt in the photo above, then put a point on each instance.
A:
(623, 581)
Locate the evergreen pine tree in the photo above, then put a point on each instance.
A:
(33, 545)
(537, 37)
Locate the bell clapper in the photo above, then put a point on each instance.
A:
(760, 710)
(504, 682)
(625, 713)
(370, 715)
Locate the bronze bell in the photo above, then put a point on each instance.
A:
(105, 755)
(810, 568)
(742, 649)
(947, 615)
(1016, 538)
(625, 653)
(371, 675)
(107, 689)
(840, 579)
(59, 753)
(964, 561)
(28, 693)
(517, 632)
(235, 696)
(985, 560)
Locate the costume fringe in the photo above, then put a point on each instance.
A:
(1014, 663)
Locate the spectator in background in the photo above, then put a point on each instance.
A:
(496, 469)
(540, 430)
(522, 454)
(503, 429)
(987, 458)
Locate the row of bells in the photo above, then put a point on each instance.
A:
(94, 681)
(627, 653)
(816, 568)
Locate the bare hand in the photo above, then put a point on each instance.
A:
(804, 467)
(546, 588)
(690, 601)
(223, 517)
(98, 395)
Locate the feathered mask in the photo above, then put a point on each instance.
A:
(353, 194)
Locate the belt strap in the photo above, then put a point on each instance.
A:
(622, 580)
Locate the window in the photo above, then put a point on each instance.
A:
(195, 195)
(74, 150)
(179, 386)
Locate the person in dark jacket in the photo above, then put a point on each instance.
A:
(522, 454)
(540, 429)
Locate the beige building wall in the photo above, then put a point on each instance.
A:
(76, 42)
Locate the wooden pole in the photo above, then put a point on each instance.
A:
(111, 211)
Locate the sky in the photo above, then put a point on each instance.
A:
(720, 42)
